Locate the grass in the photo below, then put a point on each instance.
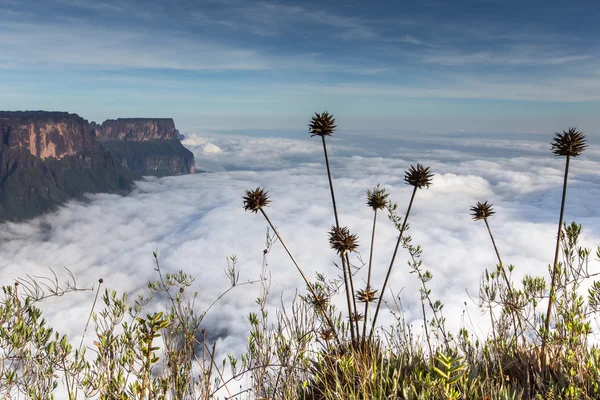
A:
(310, 349)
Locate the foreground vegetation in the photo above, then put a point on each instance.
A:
(312, 350)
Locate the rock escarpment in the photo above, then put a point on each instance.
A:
(49, 157)
(147, 146)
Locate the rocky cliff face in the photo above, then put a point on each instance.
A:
(147, 146)
(47, 158)
(46, 134)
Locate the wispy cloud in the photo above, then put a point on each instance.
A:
(515, 56)
(271, 19)
(106, 48)
(108, 6)
(466, 87)
(409, 39)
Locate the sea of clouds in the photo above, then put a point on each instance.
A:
(194, 222)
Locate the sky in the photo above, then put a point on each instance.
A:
(492, 66)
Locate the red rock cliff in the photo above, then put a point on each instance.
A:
(46, 134)
(138, 129)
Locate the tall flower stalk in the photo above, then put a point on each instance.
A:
(482, 211)
(418, 177)
(343, 242)
(254, 201)
(568, 144)
(323, 124)
(377, 200)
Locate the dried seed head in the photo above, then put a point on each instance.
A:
(326, 334)
(255, 199)
(322, 124)
(319, 301)
(367, 295)
(418, 177)
(569, 143)
(377, 198)
(355, 317)
(342, 241)
(482, 211)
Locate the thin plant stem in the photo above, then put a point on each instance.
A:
(100, 281)
(426, 330)
(508, 285)
(348, 301)
(554, 264)
(389, 271)
(496, 344)
(348, 284)
(335, 213)
(70, 395)
(308, 284)
(355, 311)
(91, 312)
(364, 334)
(496, 249)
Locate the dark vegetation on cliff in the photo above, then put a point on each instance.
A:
(47, 158)
(157, 158)
(30, 186)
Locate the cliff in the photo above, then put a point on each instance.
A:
(46, 134)
(49, 157)
(147, 146)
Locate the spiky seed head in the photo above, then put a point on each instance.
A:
(355, 317)
(418, 176)
(569, 143)
(255, 199)
(319, 301)
(366, 295)
(482, 211)
(322, 124)
(377, 198)
(326, 334)
(342, 241)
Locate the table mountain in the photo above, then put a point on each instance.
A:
(147, 146)
(49, 157)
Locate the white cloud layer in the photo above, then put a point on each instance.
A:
(196, 221)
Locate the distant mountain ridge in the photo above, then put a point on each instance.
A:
(48, 157)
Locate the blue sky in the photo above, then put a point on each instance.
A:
(443, 66)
